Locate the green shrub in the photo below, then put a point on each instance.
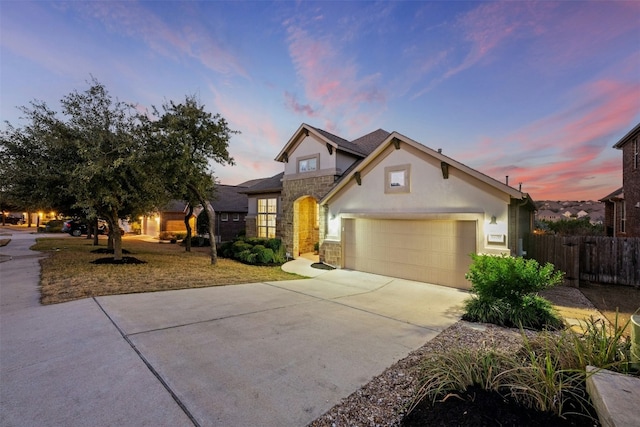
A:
(244, 255)
(505, 292)
(265, 256)
(274, 244)
(239, 247)
(257, 248)
(254, 251)
(280, 256)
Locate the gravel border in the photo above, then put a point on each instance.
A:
(384, 400)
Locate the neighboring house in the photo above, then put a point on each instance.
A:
(230, 204)
(548, 215)
(386, 204)
(622, 207)
(169, 220)
(582, 214)
(228, 201)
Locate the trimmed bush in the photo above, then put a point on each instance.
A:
(505, 292)
(254, 251)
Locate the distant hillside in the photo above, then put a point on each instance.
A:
(556, 210)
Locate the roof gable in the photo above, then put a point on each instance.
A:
(360, 147)
(396, 139)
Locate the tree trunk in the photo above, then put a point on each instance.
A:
(211, 214)
(187, 217)
(115, 238)
(95, 232)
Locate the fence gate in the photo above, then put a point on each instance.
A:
(596, 259)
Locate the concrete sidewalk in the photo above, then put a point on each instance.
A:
(268, 354)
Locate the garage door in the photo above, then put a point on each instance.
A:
(427, 251)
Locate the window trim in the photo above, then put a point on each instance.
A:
(264, 217)
(389, 171)
(236, 217)
(224, 217)
(300, 160)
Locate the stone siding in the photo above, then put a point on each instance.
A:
(331, 253)
(292, 190)
(251, 228)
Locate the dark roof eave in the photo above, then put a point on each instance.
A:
(627, 137)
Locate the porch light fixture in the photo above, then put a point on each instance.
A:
(493, 220)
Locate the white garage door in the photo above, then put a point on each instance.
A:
(427, 251)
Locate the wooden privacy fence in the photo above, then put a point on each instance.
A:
(596, 259)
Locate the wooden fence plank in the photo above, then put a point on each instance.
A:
(598, 259)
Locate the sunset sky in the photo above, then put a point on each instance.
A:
(539, 91)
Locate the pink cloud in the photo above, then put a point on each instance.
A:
(332, 82)
(569, 153)
(292, 103)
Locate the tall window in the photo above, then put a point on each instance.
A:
(266, 220)
(623, 215)
(635, 154)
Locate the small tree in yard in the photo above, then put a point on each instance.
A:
(505, 292)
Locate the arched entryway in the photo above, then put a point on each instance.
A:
(305, 226)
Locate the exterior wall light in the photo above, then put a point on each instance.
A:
(493, 220)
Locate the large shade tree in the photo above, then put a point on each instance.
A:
(35, 162)
(91, 156)
(114, 177)
(186, 139)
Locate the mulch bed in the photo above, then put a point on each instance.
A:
(322, 266)
(477, 407)
(125, 260)
(107, 251)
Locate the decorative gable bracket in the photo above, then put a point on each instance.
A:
(396, 143)
(358, 177)
(445, 170)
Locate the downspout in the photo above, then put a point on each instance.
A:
(519, 245)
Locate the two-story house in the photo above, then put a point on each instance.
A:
(386, 204)
(622, 207)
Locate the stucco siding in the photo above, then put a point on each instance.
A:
(429, 193)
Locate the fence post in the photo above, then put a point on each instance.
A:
(572, 265)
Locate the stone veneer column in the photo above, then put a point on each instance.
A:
(251, 226)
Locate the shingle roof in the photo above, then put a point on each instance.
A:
(266, 185)
(175, 206)
(228, 198)
(618, 194)
(371, 141)
(363, 145)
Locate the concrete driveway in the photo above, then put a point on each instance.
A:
(268, 354)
